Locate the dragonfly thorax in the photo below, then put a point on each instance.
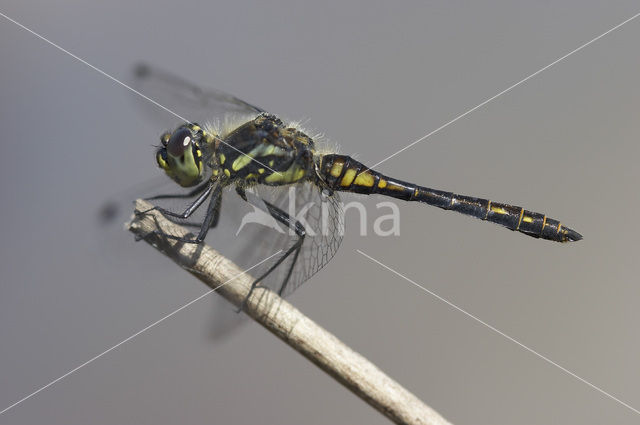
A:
(264, 150)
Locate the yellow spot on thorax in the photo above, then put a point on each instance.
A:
(292, 175)
(269, 150)
(241, 161)
(222, 158)
(227, 172)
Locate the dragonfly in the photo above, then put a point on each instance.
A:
(278, 169)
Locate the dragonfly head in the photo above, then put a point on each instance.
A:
(180, 155)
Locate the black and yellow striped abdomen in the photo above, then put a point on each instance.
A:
(343, 173)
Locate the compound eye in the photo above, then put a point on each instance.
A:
(179, 142)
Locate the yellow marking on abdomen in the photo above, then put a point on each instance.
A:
(527, 219)
(382, 183)
(488, 209)
(395, 187)
(336, 169)
(349, 175)
(520, 219)
(364, 179)
(499, 210)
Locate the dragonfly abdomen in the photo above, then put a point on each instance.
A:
(510, 216)
(343, 173)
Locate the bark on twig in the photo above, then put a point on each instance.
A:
(325, 350)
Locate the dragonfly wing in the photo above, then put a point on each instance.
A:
(183, 98)
(260, 235)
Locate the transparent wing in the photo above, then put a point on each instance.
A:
(183, 98)
(259, 234)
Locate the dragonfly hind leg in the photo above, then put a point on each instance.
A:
(300, 231)
(189, 194)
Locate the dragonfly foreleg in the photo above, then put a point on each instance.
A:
(189, 210)
(213, 212)
(189, 194)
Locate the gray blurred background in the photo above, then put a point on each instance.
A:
(373, 76)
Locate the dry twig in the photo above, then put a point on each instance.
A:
(285, 321)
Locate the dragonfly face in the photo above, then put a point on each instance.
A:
(181, 154)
